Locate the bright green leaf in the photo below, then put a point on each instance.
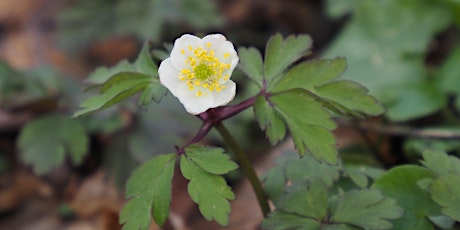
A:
(149, 190)
(251, 64)
(281, 53)
(319, 77)
(308, 123)
(310, 74)
(441, 163)
(445, 191)
(360, 174)
(209, 191)
(269, 120)
(45, 150)
(366, 208)
(211, 160)
(400, 183)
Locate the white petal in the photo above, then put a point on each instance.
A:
(192, 103)
(213, 41)
(169, 76)
(226, 53)
(226, 95)
(181, 51)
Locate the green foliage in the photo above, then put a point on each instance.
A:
(279, 54)
(315, 89)
(312, 206)
(206, 187)
(144, 19)
(386, 52)
(402, 184)
(368, 209)
(445, 188)
(45, 142)
(449, 77)
(124, 80)
(149, 190)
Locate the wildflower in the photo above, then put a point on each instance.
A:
(198, 72)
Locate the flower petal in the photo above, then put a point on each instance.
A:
(192, 103)
(169, 76)
(181, 50)
(213, 41)
(226, 95)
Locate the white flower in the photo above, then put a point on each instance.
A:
(198, 72)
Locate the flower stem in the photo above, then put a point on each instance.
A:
(246, 165)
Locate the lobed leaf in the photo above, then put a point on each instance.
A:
(445, 191)
(281, 53)
(401, 184)
(208, 190)
(441, 163)
(149, 190)
(279, 220)
(211, 160)
(118, 88)
(319, 77)
(45, 150)
(269, 120)
(251, 64)
(308, 123)
(366, 208)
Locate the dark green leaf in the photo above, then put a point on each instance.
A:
(149, 190)
(280, 220)
(269, 120)
(307, 168)
(281, 53)
(400, 183)
(306, 199)
(251, 64)
(445, 191)
(118, 88)
(211, 160)
(144, 63)
(45, 149)
(360, 174)
(366, 208)
(309, 125)
(209, 191)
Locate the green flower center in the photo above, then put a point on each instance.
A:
(202, 71)
(205, 73)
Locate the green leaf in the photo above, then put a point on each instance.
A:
(117, 88)
(441, 163)
(269, 120)
(45, 150)
(251, 64)
(308, 123)
(307, 168)
(319, 77)
(306, 199)
(400, 183)
(386, 52)
(211, 160)
(280, 54)
(144, 63)
(366, 208)
(360, 174)
(149, 190)
(445, 191)
(209, 191)
(280, 220)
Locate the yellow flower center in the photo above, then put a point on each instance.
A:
(205, 71)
